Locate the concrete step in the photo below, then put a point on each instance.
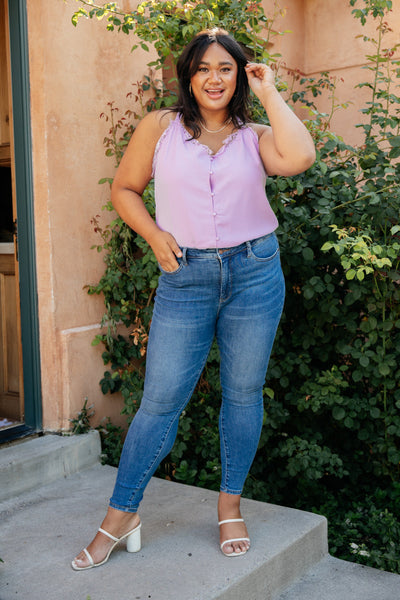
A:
(29, 464)
(46, 520)
(42, 529)
(332, 579)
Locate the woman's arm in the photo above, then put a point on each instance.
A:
(131, 178)
(286, 147)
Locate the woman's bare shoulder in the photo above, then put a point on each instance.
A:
(142, 145)
(155, 123)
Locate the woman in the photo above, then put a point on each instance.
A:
(220, 277)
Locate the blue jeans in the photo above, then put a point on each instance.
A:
(234, 295)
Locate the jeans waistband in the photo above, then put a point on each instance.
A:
(221, 252)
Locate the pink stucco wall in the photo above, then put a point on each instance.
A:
(325, 36)
(74, 72)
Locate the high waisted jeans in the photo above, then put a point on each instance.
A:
(234, 295)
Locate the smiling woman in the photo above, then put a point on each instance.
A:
(214, 240)
(222, 59)
(214, 84)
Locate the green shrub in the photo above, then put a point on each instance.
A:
(81, 423)
(111, 443)
(366, 530)
(332, 421)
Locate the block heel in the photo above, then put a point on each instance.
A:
(133, 541)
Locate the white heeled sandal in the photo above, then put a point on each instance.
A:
(133, 544)
(243, 539)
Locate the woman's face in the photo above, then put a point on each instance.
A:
(214, 83)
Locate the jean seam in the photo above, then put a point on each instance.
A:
(226, 453)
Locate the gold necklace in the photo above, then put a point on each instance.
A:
(216, 130)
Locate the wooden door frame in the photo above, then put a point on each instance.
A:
(21, 157)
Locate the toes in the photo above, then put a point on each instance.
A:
(81, 561)
(239, 548)
(235, 548)
(228, 548)
(81, 558)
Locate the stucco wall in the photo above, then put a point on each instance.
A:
(74, 72)
(325, 36)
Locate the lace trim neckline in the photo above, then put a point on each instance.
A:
(225, 142)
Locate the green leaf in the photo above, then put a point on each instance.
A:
(360, 275)
(349, 423)
(394, 141)
(357, 375)
(350, 274)
(384, 369)
(375, 412)
(387, 325)
(323, 168)
(394, 153)
(338, 413)
(327, 246)
(308, 254)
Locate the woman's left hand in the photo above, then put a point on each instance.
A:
(260, 76)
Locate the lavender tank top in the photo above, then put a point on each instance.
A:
(208, 200)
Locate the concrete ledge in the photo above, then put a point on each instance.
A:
(333, 578)
(34, 463)
(43, 528)
(180, 558)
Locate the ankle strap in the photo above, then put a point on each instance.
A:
(108, 535)
(230, 521)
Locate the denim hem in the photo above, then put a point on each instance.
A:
(226, 490)
(123, 508)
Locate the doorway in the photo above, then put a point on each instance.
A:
(20, 393)
(11, 390)
(11, 387)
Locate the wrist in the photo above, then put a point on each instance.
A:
(152, 234)
(268, 92)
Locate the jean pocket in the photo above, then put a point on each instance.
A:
(177, 270)
(266, 248)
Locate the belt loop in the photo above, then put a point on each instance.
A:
(248, 246)
(184, 259)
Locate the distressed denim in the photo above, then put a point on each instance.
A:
(237, 296)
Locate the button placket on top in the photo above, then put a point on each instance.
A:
(211, 182)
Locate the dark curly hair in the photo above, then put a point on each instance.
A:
(187, 66)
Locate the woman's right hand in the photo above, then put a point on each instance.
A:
(166, 250)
